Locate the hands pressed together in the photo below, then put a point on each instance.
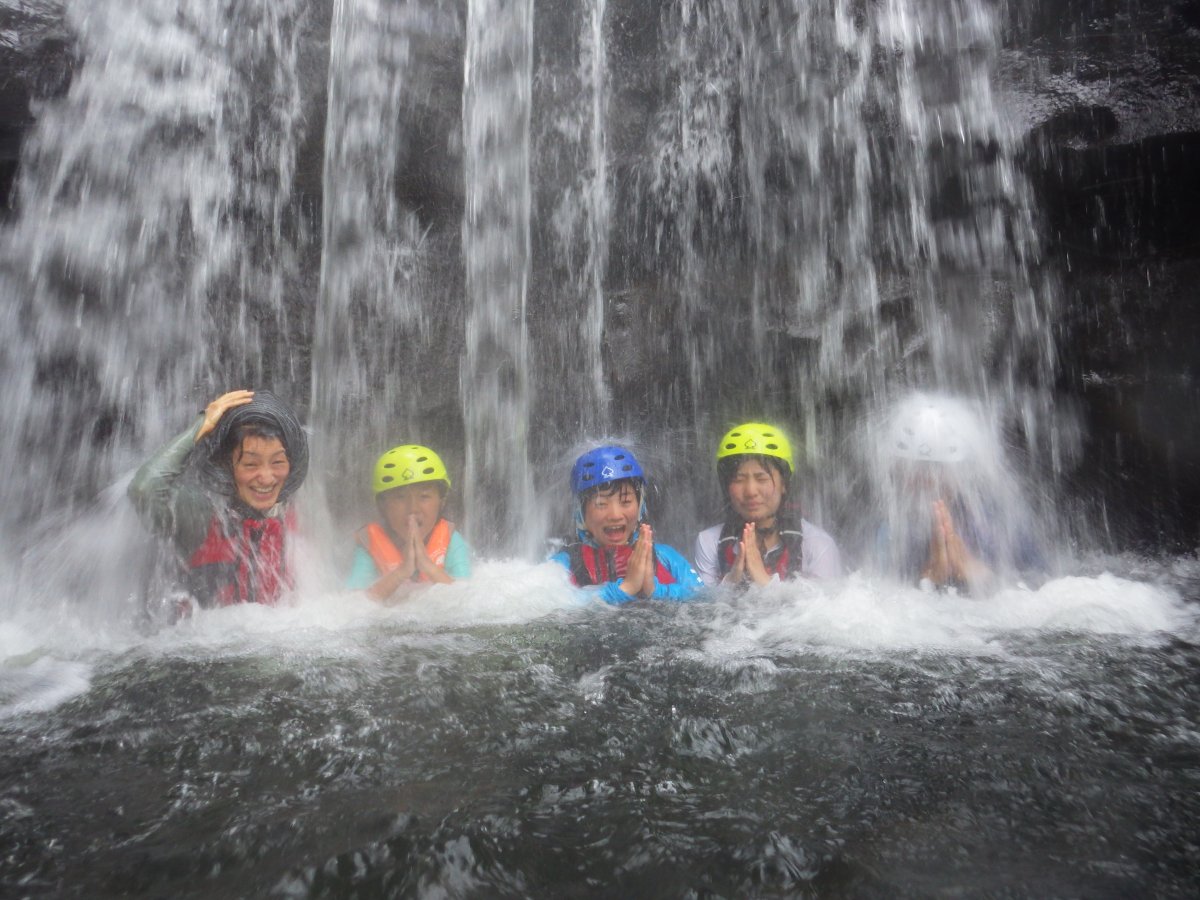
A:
(749, 565)
(950, 562)
(639, 578)
(415, 562)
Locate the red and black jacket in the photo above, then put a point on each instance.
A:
(592, 565)
(785, 560)
(242, 560)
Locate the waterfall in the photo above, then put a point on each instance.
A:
(793, 210)
(572, 138)
(368, 307)
(496, 389)
(150, 262)
(837, 189)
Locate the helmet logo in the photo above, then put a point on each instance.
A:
(750, 444)
(608, 472)
(406, 475)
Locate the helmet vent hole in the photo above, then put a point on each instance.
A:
(387, 479)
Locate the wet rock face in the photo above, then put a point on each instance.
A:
(36, 62)
(1111, 96)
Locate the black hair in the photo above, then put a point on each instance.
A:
(637, 485)
(727, 469)
(237, 439)
(443, 490)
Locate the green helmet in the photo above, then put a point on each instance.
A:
(408, 464)
(757, 439)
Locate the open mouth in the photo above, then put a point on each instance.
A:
(615, 532)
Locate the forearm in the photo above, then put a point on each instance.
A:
(612, 594)
(389, 583)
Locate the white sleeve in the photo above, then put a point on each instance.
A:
(822, 559)
(706, 555)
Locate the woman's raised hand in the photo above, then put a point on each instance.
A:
(218, 408)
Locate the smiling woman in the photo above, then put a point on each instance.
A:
(230, 529)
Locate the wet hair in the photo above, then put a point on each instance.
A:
(236, 439)
(443, 492)
(727, 469)
(610, 488)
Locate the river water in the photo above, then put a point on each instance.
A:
(506, 738)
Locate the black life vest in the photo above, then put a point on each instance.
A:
(590, 565)
(785, 560)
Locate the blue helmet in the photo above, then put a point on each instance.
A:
(603, 466)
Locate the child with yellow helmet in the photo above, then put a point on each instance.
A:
(412, 543)
(763, 537)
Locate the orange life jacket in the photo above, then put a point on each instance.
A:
(387, 556)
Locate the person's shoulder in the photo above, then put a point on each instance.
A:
(712, 533)
(815, 533)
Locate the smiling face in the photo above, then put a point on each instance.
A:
(611, 512)
(423, 500)
(756, 492)
(260, 468)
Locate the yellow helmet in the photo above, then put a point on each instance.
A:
(758, 439)
(408, 464)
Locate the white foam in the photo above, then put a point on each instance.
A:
(47, 660)
(498, 593)
(31, 682)
(862, 615)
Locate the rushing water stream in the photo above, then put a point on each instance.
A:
(501, 740)
(673, 216)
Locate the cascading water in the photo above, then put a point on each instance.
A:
(541, 222)
(372, 318)
(161, 182)
(495, 381)
(856, 171)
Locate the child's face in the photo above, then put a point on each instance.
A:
(611, 518)
(423, 500)
(756, 491)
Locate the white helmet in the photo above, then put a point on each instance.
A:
(931, 429)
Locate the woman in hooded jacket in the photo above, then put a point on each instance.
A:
(220, 492)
